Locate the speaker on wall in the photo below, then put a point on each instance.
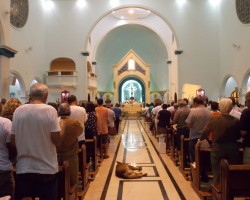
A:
(85, 53)
(177, 52)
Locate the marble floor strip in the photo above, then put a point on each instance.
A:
(137, 146)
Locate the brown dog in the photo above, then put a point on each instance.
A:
(126, 171)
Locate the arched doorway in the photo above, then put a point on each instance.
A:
(131, 87)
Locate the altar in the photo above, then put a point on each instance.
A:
(133, 109)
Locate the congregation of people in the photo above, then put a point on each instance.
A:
(222, 126)
(37, 137)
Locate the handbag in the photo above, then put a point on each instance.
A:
(112, 130)
(162, 130)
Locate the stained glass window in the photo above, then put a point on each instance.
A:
(243, 10)
(19, 11)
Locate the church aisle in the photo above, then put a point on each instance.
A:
(137, 147)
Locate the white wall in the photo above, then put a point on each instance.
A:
(29, 41)
(233, 60)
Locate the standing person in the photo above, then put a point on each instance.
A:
(3, 101)
(179, 119)
(176, 107)
(102, 126)
(214, 107)
(197, 121)
(68, 148)
(226, 131)
(117, 110)
(9, 108)
(163, 118)
(78, 113)
(91, 123)
(111, 120)
(236, 111)
(245, 129)
(149, 112)
(36, 132)
(155, 110)
(6, 172)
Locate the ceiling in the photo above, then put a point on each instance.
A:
(131, 13)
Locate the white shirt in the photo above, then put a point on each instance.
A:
(171, 109)
(155, 113)
(79, 113)
(5, 129)
(111, 117)
(235, 113)
(32, 126)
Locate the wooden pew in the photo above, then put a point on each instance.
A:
(91, 151)
(65, 190)
(183, 157)
(234, 182)
(202, 163)
(168, 138)
(84, 172)
(173, 149)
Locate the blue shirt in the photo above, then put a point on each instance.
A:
(117, 111)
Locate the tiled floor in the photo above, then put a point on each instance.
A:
(137, 146)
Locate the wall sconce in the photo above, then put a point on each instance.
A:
(200, 93)
(64, 96)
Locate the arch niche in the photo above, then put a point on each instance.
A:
(139, 75)
(128, 81)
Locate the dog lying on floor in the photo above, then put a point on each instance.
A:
(126, 171)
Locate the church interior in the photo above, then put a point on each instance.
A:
(129, 52)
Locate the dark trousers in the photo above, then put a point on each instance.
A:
(191, 148)
(179, 133)
(228, 151)
(117, 123)
(6, 184)
(34, 185)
